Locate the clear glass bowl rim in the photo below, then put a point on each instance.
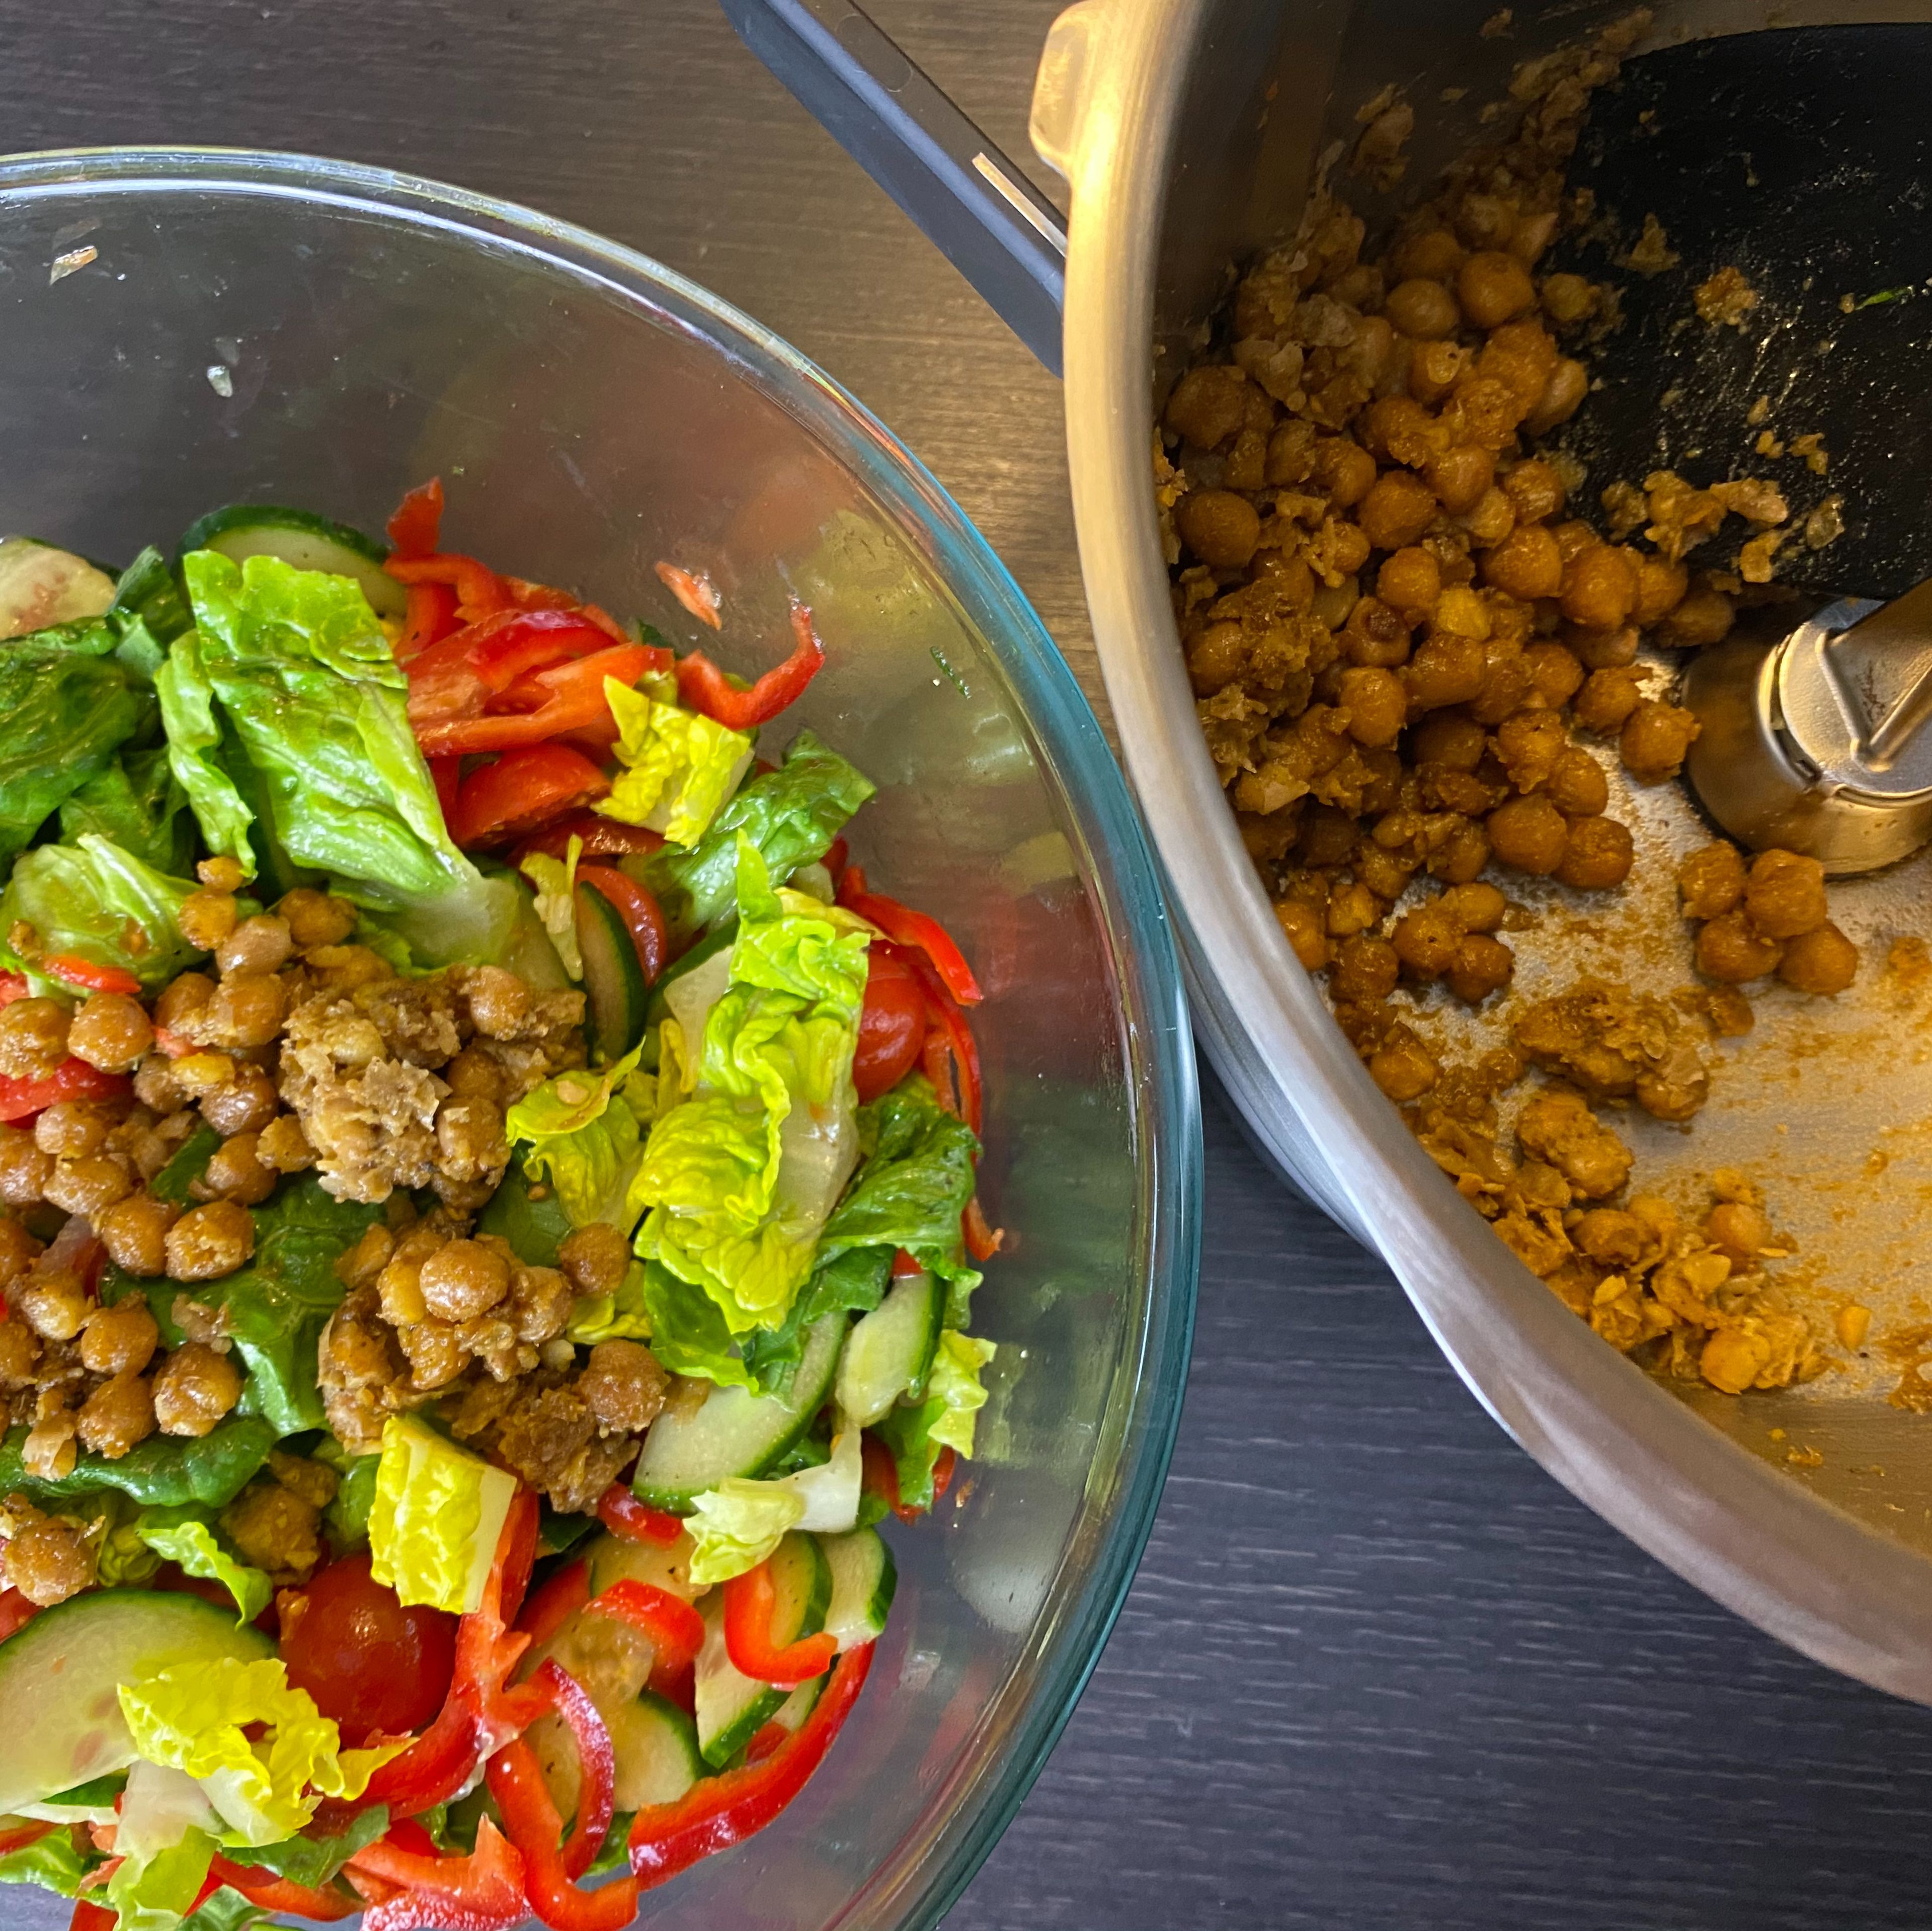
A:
(1122, 866)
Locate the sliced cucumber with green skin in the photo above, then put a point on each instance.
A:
(666, 1566)
(889, 1353)
(304, 541)
(533, 1227)
(656, 1747)
(732, 1707)
(60, 1677)
(613, 976)
(736, 1432)
(799, 1705)
(863, 1581)
(40, 586)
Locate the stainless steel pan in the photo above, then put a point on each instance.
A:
(1189, 131)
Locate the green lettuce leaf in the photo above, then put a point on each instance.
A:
(679, 767)
(347, 1517)
(228, 1910)
(535, 1228)
(164, 1470)
(295, 664)
(135, 801)
(186, 1536)
(69, 708)
(52, 1863)
(621, 1315)
(153, 1894)
(955, 1394)
(314, 1860)
(736, 1525)
(93, 901)
(149, 595)
(739, 1178)
(791, 815)
(579, 1132)
(197, 1719)
(438, 1512)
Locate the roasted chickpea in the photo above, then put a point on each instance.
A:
(53, 1302)
(88, 1186)
(1702, 616)
(1738, 1229)
(71, 1129)
(1208, 405)
(259, 944)
(1577, 785)
(194, 1389)
(1599, 587)
(1563, 394)
(110, 1031)
(1423, 308)
(1461, 477)
(1655, 739)
(1397, 509)
(1661, 586)
(1451, 739)
(1473, 908)
(120, 1339)
(1434, 370)
(33, 1038)
(1606, 700)
(1345, 471)
(498, 1001)
(463, 1279)
(244, 1104)
(1290, 457)
(1402, 1066)
(1491, 287)
(221, 874)
(1784, 894)
(236, 1171)
(246, 1010)
(1446, 670)
(1525, 564)
(316, 918)
(134, 1231)
(1730, 948)
(1569, 299)
(1821, 961)
(1528, 834)
(1433, 254)
(1301, 925)
(1375, 635)
(25, 1170)
(1219, 527)
(1481, 965)
(17, 1249)
(1365, 971)
(1711, 879)
(1602, 650)
(1377, 701)
(1425, 941)
(1535, 491)
(1410, 581)
(208, 1241)
(282, 1145)
(183, 999)
(1598, 854)
(207, 917)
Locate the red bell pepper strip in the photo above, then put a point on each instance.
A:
(749, 1601)
(72, 1079)
(705, 687)
(916, 930)
(638, 909)
(482, 1892)
(264, 1888)
(623, 1514)
(414, 528)
(481, 1711)
(12, 985)
(596, 1765)
(675, 1629)
(430, 617)
(575, 699)
(944, 1465)
(517, 1782)
(982, 1242)
(951, 1056)
(16, 1613)
(904, 1264)
(603, 837)
(479, 591)
(718, 1812)
(90, 976)
(27, 1833)
(555, 1603)
(90, 1917)
(524, 788)
(695, 591)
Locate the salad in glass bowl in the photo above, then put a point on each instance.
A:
(489, 1228)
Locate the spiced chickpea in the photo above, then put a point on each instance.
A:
(1215, 657)
(1434, 370)
(1655, 739)
(1461, 477)
(134, 1232)
(1784, 894)
(182, 999)
(71, 1129)
(33, 1038)
(1445, 670)
(1344, 471)
(1661, 586)
(1410, 581)
(1506, 685)
(1563, 394)
(1528, 834)
(498, 1000)
(282, 1145)
(17, 1250)
(1219, 527)
(1493, 287)
(1606, 700)
(1365, 971)
(463, 1279)
(88, 1186)
(1599, 587)
(53, 1302)
(259, 944)
(49, 1560)
(1301, 925)
(1569, 299)
(1711, 879)
(1423, 308)
(1461, 854)
(245, 1104)
(1821, 961)
(120, 1339)
(1473, 908)
(1402, 1067)
(209, 1242)
(1377, 701)
(206, 919)
(1535, 491)
(1424, 941)
(1433, 253)
(25, 1170)
(1529, 745)
(1396, 510)
(246, 1010)
(155, 1085)
(1375, 635)
(1290, 456)
(19, 1350)
(1577, 785)
(1451, 739)
(1611, 1236)
(1525, 564)
(110, 1031)
(1481, 965)
(1738, 1229)
(1602, 650)
(1348, 548)
(315, 917)
(1730, 948)
(1208, 405)
(118, 1415)
(236, 1171)
(1597, 855)
(193, 1390)
(1702, 616)
(221, 874)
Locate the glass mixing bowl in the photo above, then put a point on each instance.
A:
(182, 329)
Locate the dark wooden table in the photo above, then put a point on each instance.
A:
(1377, 1669)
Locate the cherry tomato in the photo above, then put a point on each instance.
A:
(524, 788)
(369, 1663)
(892, 1026)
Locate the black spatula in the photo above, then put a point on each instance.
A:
(1801, 157)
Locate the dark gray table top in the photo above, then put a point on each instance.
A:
(1377, 1670)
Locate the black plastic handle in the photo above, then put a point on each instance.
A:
(1000, 233)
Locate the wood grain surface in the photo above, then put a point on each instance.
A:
(1377, 1669)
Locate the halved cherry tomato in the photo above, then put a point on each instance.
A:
(705, 687)
(72, 1079)
(16, 1613)
(369, 1663)
(90, 975)
(414, 528)
(603, 837)
(637, 909)
(526, 787)
(892, 1025)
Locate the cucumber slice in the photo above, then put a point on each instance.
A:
(59, 1676)
(736, 1432)
(863, 1581)
(40, 586)
(303, 540)
(889, 1351)
(613, 976)
(732, 1708)
(534, 1228)
(656, 1747)
(666, 1566)
(800, 1704)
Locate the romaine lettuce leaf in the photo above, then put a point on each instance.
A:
(620, 1315)
(679, 767)
(52, 1862)
(227, 1910)
(295, 662)
(437, 1514)
(157, 1808)
(738, 1178)
(153, 1894)
(580, 1132)
(791, 815)
(554, 882)
(197, 1719)
(94, 901)
(165, 1470)
(137, 803)
(314, 1860)
(187, 1537)
(736, 1525)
